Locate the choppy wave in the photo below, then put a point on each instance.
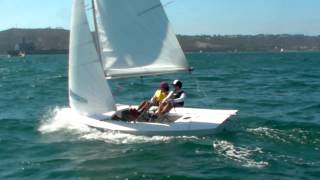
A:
(288, 136)
(241, 154)
(276, 132)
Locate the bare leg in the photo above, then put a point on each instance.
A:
(166, 109)
(144, 105)
(163, 108)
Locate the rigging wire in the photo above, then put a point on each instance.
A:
(142, 83)
(96, 37)
(199, 89)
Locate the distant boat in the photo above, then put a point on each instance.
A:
(16, 53)
(29, 48)
(22, 54)
(35, 52)
(134, 39)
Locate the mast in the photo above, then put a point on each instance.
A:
(97, 42)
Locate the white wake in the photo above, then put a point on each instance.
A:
(62, 120)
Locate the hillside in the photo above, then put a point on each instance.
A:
(44, 39)
(261, 42)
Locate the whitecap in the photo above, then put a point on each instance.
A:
(270, 133)
(239, 154)
(289, 136)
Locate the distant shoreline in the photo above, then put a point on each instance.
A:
(189, 52)
(58, 39)
(247, 52)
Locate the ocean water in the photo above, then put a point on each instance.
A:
(276, 134)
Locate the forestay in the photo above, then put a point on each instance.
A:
(136, 39)
(88, 92)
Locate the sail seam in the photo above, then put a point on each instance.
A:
(78, 98)
(87, 63)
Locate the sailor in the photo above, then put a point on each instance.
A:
(174, 99)
(156, 99)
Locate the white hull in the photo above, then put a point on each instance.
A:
(189, 121)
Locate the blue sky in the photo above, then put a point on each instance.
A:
(187, 16)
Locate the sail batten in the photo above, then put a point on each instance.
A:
(134, 35)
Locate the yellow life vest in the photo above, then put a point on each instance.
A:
(159, 95)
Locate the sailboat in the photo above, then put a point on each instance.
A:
(133, 39)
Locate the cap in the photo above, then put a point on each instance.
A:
(164, 85)
(177, 83)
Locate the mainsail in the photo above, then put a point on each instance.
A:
(136, 39)
(88, 91)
